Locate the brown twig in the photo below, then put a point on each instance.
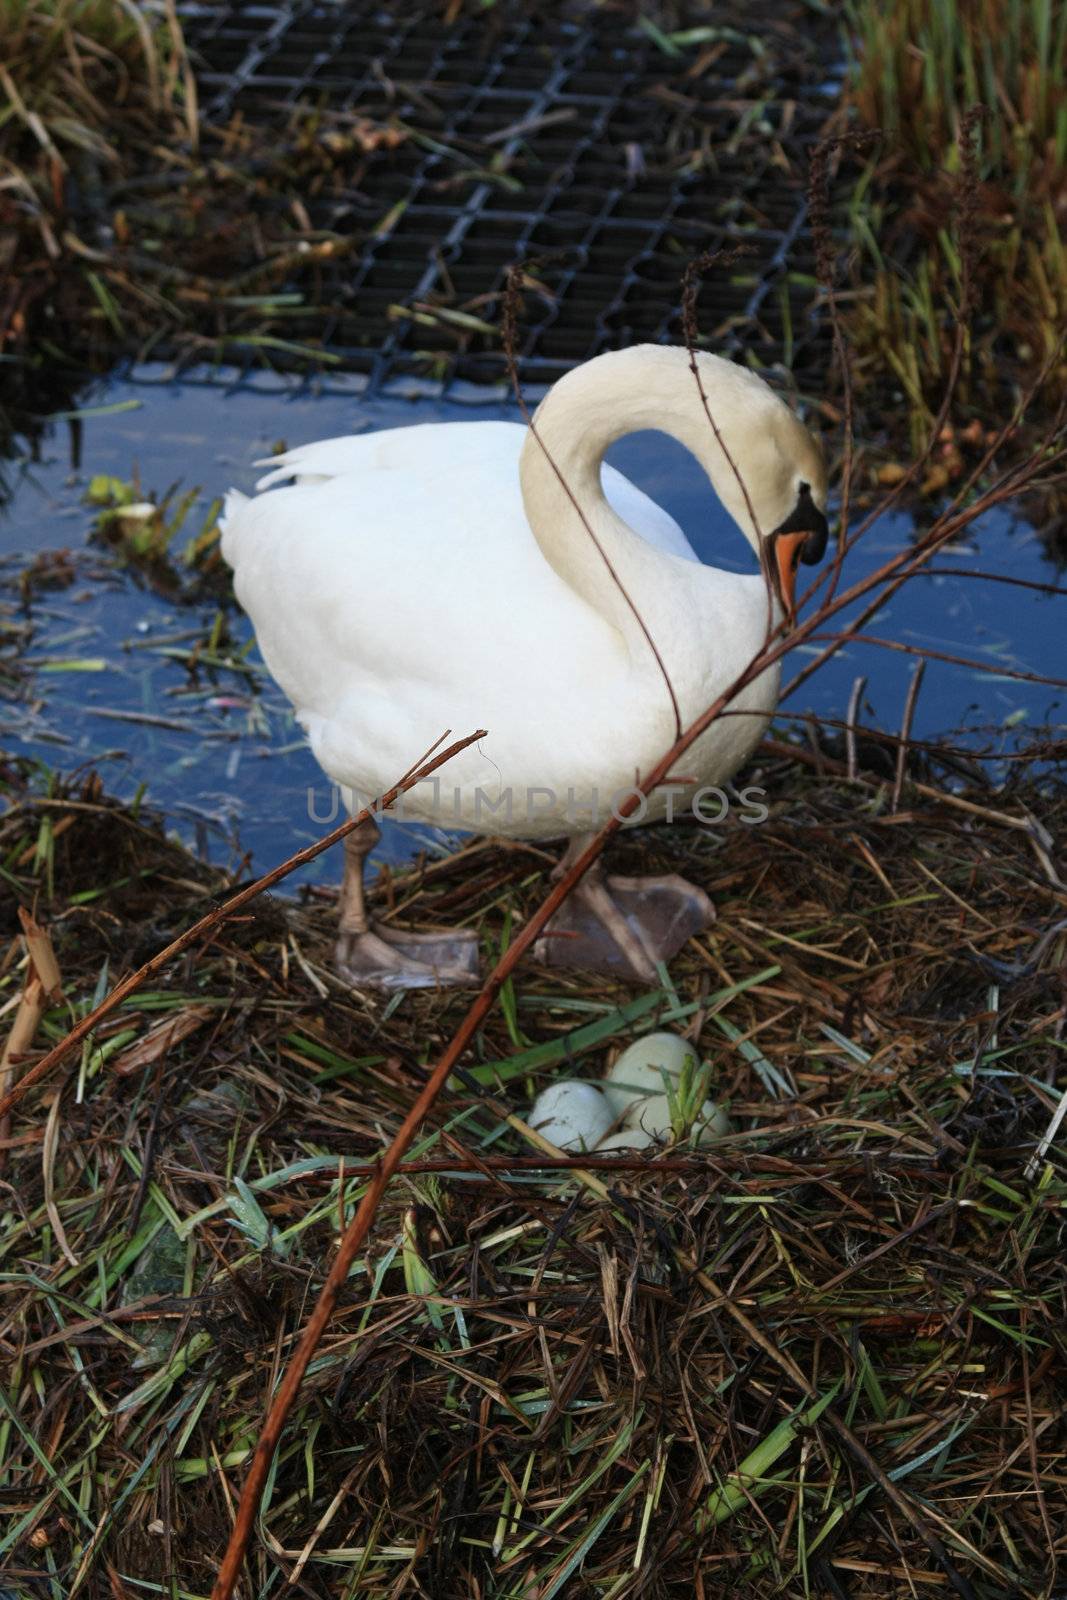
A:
(928, 653)
(826, 274)
(906, 730)
(854, 699)
(41, 985)
(691, 334)
(995, 577)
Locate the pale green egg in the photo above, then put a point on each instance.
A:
(636, 1088)
(572, 1115)
(639, 1070)
(627, 1139)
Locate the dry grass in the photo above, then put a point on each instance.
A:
(918, 70)
(526, 1394)
(88, 85)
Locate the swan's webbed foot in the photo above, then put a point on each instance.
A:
(623, 926)
(387, 958)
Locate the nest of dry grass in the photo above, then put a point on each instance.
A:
(546, 1380)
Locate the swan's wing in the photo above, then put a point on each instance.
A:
(656, 526)
(396, 561)
(435, 448)
(325, 568)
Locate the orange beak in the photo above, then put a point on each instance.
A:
(788, 548)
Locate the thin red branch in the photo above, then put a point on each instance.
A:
(826, 272)
(994, 577)
(928, 653)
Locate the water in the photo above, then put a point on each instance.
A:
(218, 750)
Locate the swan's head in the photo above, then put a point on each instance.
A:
(765, 466)
(782, 504)
(795, 528)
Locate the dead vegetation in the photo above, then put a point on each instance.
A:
(958, 211)
(91, 88)
(525, 1390)
(825, 1357)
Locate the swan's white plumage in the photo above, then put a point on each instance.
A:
(398, 589)
(442, 448)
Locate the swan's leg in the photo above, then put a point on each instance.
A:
(621, 926)
(371, 955)
(357, 846)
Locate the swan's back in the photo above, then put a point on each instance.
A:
(401, 566)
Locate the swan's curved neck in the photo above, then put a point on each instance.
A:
(560, 472)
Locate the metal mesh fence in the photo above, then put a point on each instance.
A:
(597, 147)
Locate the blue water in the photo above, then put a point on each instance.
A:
(219, 751)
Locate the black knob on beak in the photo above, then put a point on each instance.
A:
(803, 537)
(806, 518)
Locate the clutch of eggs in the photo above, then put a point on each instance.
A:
(633, 1102)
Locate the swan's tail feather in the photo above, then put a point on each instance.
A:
(321, 461)
(231, 509)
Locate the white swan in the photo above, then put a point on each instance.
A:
(442, 577)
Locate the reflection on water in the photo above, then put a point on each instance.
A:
(118, 671)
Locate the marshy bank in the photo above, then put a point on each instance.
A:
(524, 1378)
(824, 1357)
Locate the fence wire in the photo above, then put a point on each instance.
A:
(597, 147)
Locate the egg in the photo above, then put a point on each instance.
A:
(653, 1117)
(639, 1070)
(572, 1115)
(627, 1139)
(635, 1087)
